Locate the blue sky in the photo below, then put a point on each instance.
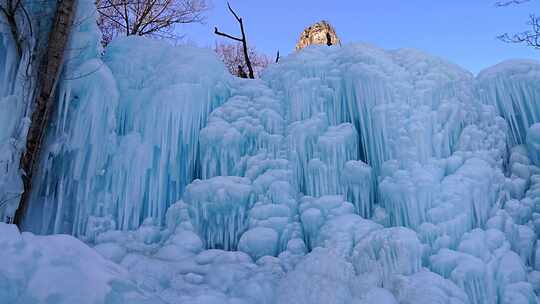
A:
(462, 31)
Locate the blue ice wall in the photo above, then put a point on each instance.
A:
(124, 139)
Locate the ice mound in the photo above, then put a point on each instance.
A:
(179, 269)
(259, 242)
(314, 212)
(388, 252)
(322, 277)
(427, 287)
(342, 233)
(485, 268)
(59, 269)
(219, 209)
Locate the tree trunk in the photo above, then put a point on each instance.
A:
(245, 48)
(48, 75)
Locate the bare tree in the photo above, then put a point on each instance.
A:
(233, 57)
(242, 40)
(530, 37)
(47, 79)
(157, 18)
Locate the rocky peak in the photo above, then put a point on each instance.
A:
(318, 33)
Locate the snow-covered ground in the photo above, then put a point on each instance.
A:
(345, 175)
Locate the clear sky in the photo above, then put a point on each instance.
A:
(462, 31)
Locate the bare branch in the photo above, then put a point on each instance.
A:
(530, 37)
(508, 3)
(217, 32)
(233, 12)
(156, 18)
(232, 56)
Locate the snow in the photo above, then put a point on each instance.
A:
(346, 174)
(322, 277)
(59, 269)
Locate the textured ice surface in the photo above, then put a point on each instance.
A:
(512, 87)
(345, 175)
(385, 253)
(533, 143)
(219, 208)
(125, 144)
(14, 120)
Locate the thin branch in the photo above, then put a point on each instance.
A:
(530, 37)
(508, 3)
(217, 32)
(233, 12)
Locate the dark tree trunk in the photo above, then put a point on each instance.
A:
(246, 54)
(48, 75)
(241, 72)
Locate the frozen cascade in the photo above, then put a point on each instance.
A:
(511, 86)
(346, 175)
(358, 177)
(390, 97)
(247, 123)
(218, 209)
(533, 143)
(125, 110)
(14, 117)
(335, 147)
(387, 252)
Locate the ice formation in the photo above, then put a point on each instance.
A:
(346, 174)
(113, 112)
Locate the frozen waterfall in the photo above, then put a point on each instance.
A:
(345, 175)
